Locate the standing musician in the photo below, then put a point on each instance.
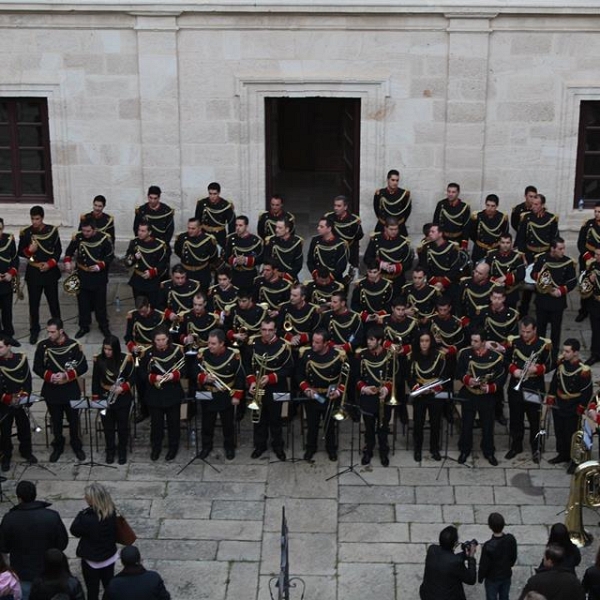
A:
(392, 201)
(177, 296)
(224, 293)
(197, 323)
(297, 318)
(525, 206)
(372, 294)
(270, 366)
(112, 380)
(453, 216)
(570, 392)
(15, 383)
(197, 251)
(9, 282)
(141, 322)
(427, 365)
(482, 373)
(528, 359)
(555, 277)
(60, 361)
(220, 372)
(319, 372)
(447, 329)
(592, 290)
(587, 242)
(507, 268)
(149, 258)
(320, 289)
(40, 245)
(344, 326)
(347, 226)
(104, 222)
(276, 212)
(393, 253)
(243, 253)
(420, 296)
(486, 227)
(89, 256)
(327, 250)
(374, 388)
(286, 248)
(243, 322)
(216, 215)
(475, 291)
(271, 287)
(163, 366)
(159, 217)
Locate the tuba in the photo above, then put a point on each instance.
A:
(585, 491)
(544, 283)
(580, 451)
(72, 284)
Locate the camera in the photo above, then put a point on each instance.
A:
(466, 546)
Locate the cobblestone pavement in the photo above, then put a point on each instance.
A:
(215, 535)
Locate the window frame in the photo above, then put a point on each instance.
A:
(583, 153)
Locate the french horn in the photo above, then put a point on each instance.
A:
(72, 284)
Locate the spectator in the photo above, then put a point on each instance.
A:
(559, 535)
(134, 582)
(27, 530)
(97, 548)
(591, 579)
(56, 579)
(498, 556)
(9, 582)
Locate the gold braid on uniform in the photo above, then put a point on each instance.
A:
(319, 369)
(422, 375)
(39, 238)
(493, 232)
(210, 213)
(196, 331)
(143, 251)
(51, 355)
(142, 332)
(339, 330)
(375, 368)
(533, 228)
(174, 297)
(433, 253)
(387, 206)
(296, 321)
(562, 392)
(11, 373)
(227, 378)
(153, 217)
(262, 361)
(238, 322)
(266, 294)
(472, 297)
(496, 327)
(165, 359)
(85, 246)
(454, 219)
(366, 295)
(392, 335)
(187, 245)
(278, 252)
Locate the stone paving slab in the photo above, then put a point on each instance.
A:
(210, 529)
(369, 513)
(357, 580)
(303, 515)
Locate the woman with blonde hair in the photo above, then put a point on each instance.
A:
(96, 526)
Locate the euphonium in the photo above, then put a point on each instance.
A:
(585, 491)
(259, 391)
(544, 283)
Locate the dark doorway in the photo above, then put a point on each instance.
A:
(312, 155)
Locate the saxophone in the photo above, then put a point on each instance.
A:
(259, 391)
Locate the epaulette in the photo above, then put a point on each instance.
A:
(511, 338)
(268, 239)
(300, 238)
(22, 231)
(474, 215)
(342, 353)
(373, 234)
(523, 214)
(377, 192)
(464, 278)
(585, 370)
(83, 216)
(137, 210)
(547, 343)
(302, 351)
(236, 351)
(253, 338)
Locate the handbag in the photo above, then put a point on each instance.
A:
(125, 535)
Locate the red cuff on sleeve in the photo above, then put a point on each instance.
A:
(464, 244)
(48, 375)
(153, 272)
(13, 271)
(152, 378)
(540, 370)
(364, 314)
(250, 261)
(360, 385)
(304, 338)
(201, 378)
(71, 374)
(492, 388)
(272, 378)
(251, 379)
(27, 253)
(126, 387)
(176, 375)
(512, 368)
(131, 345)
(398, 268)
(51, 263)
(168, 313)
(230, 260)
(6, 398)
(563, 290)
(67, 260)
(238, 394)
(101, 264)
(304, 385)
(510, 279)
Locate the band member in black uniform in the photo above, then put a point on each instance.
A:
(197, 323)
(587, 242)
(555, 277)
(220, 372)
(453, 216)
(158, 215)
(104, 222)
(224, 293)
(89, 255)
(216, 215)
(475, 291)
(267, 219)
(9, 270)
(537, 229)
(392, 201)
(270, 366)
(570, 391)
(320, 289)
(420, 296)
(347, 226)
(112, 380)
(177, 296)
(528, 358)
(447, 329)
(286, 248)
(327, 250)
(374, 388)
(59, 361)
(372, 294)
(197, 251)
(523, 207)
(486, 227)
(507, 268)
(393, 253)
(482, 373)
(592, 278)
(427, 365)
(297, 318)
(40, 245)
(15, 383)
(344, 326)
(243, 253)
(141, 322)
(163, 366)
(149, 258)
(271, 287)
(243, 322)
(319, 372)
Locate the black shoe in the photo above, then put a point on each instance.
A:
(258, 452)
(81, 332)
(171, 454)
(501, 420)
(55, 455)
(122, 459)
(333, 455)
(571, 469)
(204, 452)
(462, 459)
(366, 458)
(280, 454)
(5, 464)
(385, 459)
(581, 316)
(229, 453)
(110, 458)
(154, 455)
(308, 455)
(559, 459)
(33, 337)
(417, 456)
(592, 360)
(436, 456)
(14, 342)
(536, 457)
(492, 460)
(80, 454)
(31, 459)
(512, 453)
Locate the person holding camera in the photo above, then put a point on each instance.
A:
(445, 571)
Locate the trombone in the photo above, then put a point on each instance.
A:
(340, 414)
(259, 391)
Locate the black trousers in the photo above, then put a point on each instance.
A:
(93, 577)
(594, 309)
(554, 319)
(518, 409)
(90, 301)
(116, 421)
(57, 412)
(564, 428)
(314, 413)
(422, 405)
(6, 307)
(209, 421)
(484, 406)
(269, 423)
(141, 385)
(157, 423)
(19, 416)
(376, 431)
(34, 291)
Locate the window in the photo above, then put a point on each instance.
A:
(25, 173)
(587, 178)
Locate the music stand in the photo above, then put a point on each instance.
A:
(82, 404)
(200, 397)
(450, 397)
(287, 397)
(351, 467)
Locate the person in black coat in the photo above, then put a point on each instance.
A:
(134, 582)
(591, 579)
(27, 531)
(559, 535)
(97, 548)
(445, 572)
(56, 580)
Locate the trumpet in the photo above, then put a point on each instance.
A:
(525, 370)
(178, 365)
(218, 382)
(176, 324)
